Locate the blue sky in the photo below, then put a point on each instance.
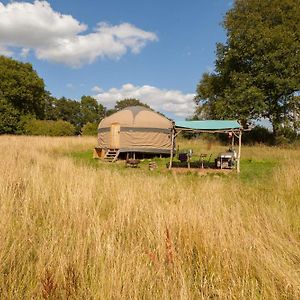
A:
(152, 50)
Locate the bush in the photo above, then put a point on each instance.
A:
(90, 129)
(286, 135)
(9, 117)
(258, 134)
(49, 128)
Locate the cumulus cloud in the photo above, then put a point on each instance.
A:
(167, 101)
(96, 89)
(60, 38)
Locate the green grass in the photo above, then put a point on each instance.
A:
(257, 169)
(85, 157)
(251, 169)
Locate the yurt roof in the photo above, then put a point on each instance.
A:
(138, 117)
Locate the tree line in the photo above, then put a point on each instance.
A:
(26, 107)
(256, 76)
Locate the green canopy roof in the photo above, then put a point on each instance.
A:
(209, 125)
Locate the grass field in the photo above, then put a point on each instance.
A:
(75, 228)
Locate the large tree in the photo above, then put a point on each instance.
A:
(91, 110)
(21, 87)
(69, 110)
(257, 71)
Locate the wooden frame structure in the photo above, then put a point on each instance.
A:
(233, 127)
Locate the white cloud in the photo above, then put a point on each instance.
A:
(57, 37)
(96, 89)
(168, 101)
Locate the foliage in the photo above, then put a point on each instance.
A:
(22, 87)
(23, 96)
(121, 104)
(51, 111)
(257, 70)
(129, 102)
(286, 135)
(24, 119)
(78, 113)
(258, 134)
(89, 129)
(49, 128)
(91, 110)
(69, 110)
(9, 117)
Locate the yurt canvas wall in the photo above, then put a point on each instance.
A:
(136, 129)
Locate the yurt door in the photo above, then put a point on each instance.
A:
(115, 136)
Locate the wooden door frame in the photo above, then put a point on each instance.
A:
(112, 140)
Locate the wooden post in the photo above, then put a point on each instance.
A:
(238, 168)
(232, 141)
(172, 148)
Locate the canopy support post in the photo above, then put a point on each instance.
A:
(172, 148)
(239, 153)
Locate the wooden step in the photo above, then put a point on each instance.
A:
(111, 155)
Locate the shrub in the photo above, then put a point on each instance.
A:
(258, 134)
(286, 135)
(50, 128)
(90, 129)
(9, 117)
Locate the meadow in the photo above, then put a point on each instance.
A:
(76, 228)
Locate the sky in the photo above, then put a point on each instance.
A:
(155, 51)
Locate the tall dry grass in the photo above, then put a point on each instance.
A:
(70, 231)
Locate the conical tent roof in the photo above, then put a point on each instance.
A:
(137, 117)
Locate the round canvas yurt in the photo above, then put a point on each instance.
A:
(136, 129)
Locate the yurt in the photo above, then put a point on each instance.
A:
(135, 129)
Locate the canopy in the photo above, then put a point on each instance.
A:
(209, 125)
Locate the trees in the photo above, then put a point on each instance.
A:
(257, 70)
(89, 129)
(121, 104)
(21, 87)
(23, 97)
(9, 117)
(91, 110)
(49, 128)
(68, 110)
(78, 113)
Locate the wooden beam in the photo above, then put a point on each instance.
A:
(238, 166)
(175, 134)
(172, 148)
